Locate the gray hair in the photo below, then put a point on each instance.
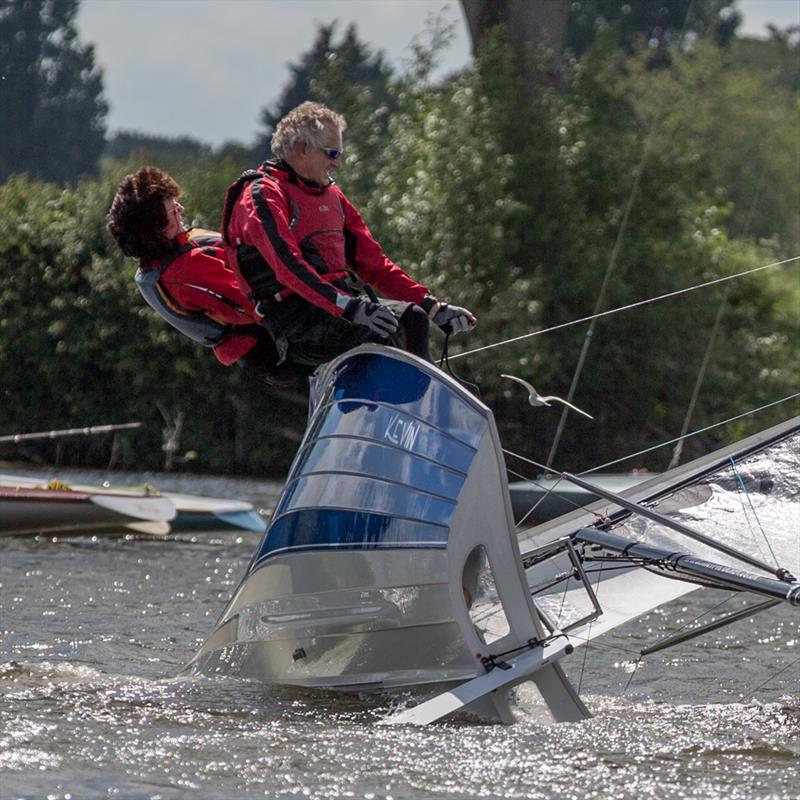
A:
(308, 123)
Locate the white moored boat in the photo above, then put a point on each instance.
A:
(53, 506)
(43, 510)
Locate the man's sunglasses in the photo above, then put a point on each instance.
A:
(332, 152)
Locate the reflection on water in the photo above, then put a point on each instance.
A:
(94, 630)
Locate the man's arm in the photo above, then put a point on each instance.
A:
(370, 263)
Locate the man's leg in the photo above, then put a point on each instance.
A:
(415, 326)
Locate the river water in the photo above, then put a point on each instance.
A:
(94, 631)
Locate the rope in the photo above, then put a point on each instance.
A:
(444, 363)
(619, 309)
(694, 433)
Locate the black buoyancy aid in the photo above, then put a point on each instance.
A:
(197, 325)
(252, 267)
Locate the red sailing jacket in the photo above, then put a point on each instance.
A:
(199, 280)
(285, 236)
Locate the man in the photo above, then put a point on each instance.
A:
(292, 237)
(182, 275)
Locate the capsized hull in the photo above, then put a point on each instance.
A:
(391, 559)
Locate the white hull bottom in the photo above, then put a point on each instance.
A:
(351, 636)
(355, 638)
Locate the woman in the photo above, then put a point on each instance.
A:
(183, 277)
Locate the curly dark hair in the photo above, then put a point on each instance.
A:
(137, 217)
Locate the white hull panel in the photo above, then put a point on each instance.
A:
(355, 619)
(392, 538)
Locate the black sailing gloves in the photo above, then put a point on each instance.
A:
(374, 316)
(380, 320)
(451, 319)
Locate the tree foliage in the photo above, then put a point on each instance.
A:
(350, 57)
(574, 25)
(530, 204)
(79, 346)
(653, 23)
(738, 119)
(53, 121)
(127, 145)
(521, 210)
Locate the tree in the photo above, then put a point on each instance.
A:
(532, 29)
(558, 25)
(515, 210)
(528, 22)
(653, 23)
(53, 120)
(736, 110)
(350, 58)
(126, 145)
(779, 56)
(78, 343)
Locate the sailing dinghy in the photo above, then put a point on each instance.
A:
(392, 560)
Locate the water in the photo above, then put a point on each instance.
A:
(94, 631)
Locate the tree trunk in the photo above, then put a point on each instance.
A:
(530, 24)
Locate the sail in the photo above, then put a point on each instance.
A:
(748, 500)
(743, 498)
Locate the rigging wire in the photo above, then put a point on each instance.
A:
(712, 338)
(631, 676)
(688, 435)
(613, 648)
(771, 677)
(537, 503)
(627, 307)
(743, 488)
(601, 295)
(589, 629)
(612, 261)
(546, 494)
(701, 375)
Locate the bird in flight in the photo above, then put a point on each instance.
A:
(535, 399)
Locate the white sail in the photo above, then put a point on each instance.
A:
(744, 498)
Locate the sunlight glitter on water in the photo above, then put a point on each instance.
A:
(92, 708)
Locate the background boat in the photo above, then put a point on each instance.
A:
(34, 510)
(78, 509)
(537, 501)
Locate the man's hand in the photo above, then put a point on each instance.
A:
(374, 316)
(454, 319)
(451, 319)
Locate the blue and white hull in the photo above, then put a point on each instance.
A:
(391, 559)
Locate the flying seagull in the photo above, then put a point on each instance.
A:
(535, 399)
